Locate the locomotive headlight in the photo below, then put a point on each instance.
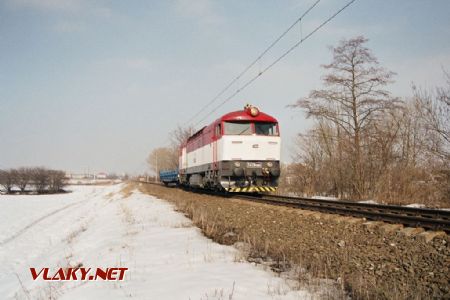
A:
(254, 111)
(270, 164)
(238, 172)
(237, 164)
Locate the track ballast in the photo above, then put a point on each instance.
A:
(427, 218)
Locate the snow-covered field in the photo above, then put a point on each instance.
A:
(97, 226)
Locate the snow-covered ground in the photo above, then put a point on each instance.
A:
(416, 205)
(368, 202)
(325, 198)
(97, 226)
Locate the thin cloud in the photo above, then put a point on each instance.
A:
(69, 16)
(74, 7)
(47, 5)
(138, 63)
(423, 71)
(69, 27)
(127, 63)
(201, 10)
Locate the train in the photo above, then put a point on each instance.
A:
(238, 152)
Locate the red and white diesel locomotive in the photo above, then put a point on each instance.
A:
(239, 152)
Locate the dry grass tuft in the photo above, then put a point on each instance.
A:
(127, 190)
(317, 248)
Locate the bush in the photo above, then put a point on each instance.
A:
(6, 180)
(42, 180)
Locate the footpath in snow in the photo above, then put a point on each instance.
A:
(101, 227)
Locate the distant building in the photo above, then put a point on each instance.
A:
(79, 176)
(88, 179)
(102, 175)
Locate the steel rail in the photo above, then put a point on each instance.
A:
(405, 210)
(415, 217)
(427, 218)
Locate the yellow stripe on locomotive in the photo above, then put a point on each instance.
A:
(252, 189)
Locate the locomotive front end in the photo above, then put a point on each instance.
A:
(250, 152)
(239, 152)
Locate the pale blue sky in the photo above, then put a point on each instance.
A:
(99, 84)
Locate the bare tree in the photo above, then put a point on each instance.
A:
(366, 143)
(434, 108)
(23, 178)
(179, 136)
(56, 180)
(14, 174)
(44, 180)
(353, 98)
(40, 179)
(7, 180)
(162, 158)
(166, 158)
(323, 156)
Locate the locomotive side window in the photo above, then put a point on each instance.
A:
(218, 130)
(237, 128)
(266, 128)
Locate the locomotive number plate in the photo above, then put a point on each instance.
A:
(254, 165)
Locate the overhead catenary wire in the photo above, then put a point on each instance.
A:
(249, 82)
(252, 63)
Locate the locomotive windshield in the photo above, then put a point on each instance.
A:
(247, 128)
(266, 128)
(237, 128)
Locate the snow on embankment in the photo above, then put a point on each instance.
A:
(166, 257)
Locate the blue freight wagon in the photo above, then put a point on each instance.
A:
(169, 177)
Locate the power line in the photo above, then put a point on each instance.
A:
(253, 62)
(249, 82)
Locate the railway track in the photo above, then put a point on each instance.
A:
(433, 219)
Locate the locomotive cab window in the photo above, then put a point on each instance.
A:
(266, 128)
(218, 130)
(237, 128)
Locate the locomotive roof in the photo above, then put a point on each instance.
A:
(239, 115)
(243, 115)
